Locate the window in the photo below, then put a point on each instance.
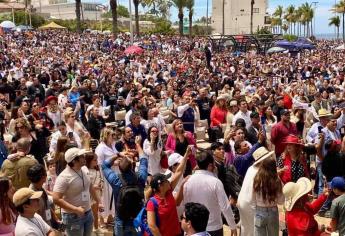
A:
(256, 10)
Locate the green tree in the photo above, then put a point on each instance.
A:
(335, 20)
(180, 4)
(160, 8)
(279, 13)
(307, 17)
(19, 18)
(340, 8)
(190, 7)
(289, 16)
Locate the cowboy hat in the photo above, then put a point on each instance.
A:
(294, 191)
(223, 96)
(261, 154)
(292, 139)
(324, 113)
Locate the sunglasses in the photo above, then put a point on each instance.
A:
(72, 116)
(20, 127)
(154, 131)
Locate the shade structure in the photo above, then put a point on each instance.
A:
(287, 45)
(52, 25)
(341, 47)
(134, 50)
(276, 49)
(7, 24)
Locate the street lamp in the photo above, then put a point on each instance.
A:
(102, 8)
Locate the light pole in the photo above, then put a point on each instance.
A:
(206, 15)
(315, 6)
(130, 20)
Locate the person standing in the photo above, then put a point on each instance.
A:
(72, 193)
(338, 205)
(245, 197)
(28, 221)
(194, 219)
(267, 193)
(211, 193)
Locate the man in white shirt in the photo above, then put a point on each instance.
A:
(243, 113)
(204, 188)
(28, 221)
(194, 219)
(72, 193)
(62, 131)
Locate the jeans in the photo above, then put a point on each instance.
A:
(78, 226)
(328, 203)
(124, 228)
(319, 179)
(266, 221)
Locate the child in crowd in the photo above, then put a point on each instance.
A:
(51, 176)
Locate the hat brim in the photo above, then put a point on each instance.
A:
(325, 116)
(36, 195)
(304, 187)
(299, 144)
(270, 154)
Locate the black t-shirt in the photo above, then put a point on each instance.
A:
(204, 108)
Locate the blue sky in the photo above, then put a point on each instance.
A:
(323, 12)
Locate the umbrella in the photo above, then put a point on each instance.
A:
(134, 50)
(24, 27)
(7, 24)
(276, 49)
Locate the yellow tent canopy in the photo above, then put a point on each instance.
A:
(52, 25)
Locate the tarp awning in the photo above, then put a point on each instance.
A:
(52, 25)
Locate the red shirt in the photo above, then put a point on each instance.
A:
(169, 224)
(287, 175)
(218, 116)
(301, 222)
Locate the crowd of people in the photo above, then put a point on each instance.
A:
(187, 138)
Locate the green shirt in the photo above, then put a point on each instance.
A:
(338, 213)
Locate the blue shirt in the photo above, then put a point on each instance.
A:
(3, 152)
(139, 130)
(243, 162)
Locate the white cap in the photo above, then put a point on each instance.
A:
(174, 158)
(72, 153)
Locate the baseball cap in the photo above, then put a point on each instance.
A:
(174, 158)
(24, 194)
(74, 152)
(284, 112)
(254, 114)
(338, 182)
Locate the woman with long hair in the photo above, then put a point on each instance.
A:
(153, 149)
(219, 112)
(267, 191)
(97, 182)
(8, 213)
(106, 149)
(59, 156)
(292, 164)
(178, 141)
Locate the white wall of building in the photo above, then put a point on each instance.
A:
(237, 16)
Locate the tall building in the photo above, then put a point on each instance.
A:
(65, 9)
(237, 16)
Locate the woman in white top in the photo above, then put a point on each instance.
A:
(105, 150)
(153, 149)
(267, 194)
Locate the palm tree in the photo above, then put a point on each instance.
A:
(113, 7)
(285, 27)
(335, 20)
(180, 4)
(279, 13)
(252, 2)
(340, 8)
(275, 22)
(77, 14)
(308, 15)
(136, 16)
(289, 15)
(190, 7)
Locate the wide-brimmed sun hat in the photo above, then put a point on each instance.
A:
(292, 139)
(223, 97)
(261, 154)
(294, 191)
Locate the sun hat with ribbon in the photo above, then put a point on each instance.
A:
(323, 113)
(292, 139)
(261, 154)
(294, 191)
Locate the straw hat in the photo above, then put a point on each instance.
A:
(24, 194)
(323, 113)
(223, 96)
(294, 191)
(261, 154)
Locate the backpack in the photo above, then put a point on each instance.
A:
(140, 222)
(130, 200)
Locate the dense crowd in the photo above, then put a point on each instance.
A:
(177, 140)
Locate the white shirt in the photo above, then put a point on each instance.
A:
(35, 226)
(244, 116)
(204, 188)
(154, 157)
(56, 135)
(62, 101)
(127, 116)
